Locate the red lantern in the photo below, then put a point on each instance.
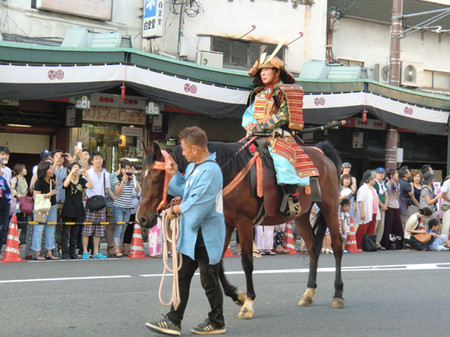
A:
(123, 87)
(364, 117)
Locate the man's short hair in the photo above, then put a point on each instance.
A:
(4, 149)
(425, 168)
(96, 153)
(345, 202)
(402, 171)
(55, 152)
(194, 136)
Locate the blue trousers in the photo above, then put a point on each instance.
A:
(49, 233)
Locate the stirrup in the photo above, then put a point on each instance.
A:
(293, 208)
(316, 193)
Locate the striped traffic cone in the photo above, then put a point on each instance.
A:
(350, 243)
(228, 252)
(289, 241)
(137, 245)
(12, 253)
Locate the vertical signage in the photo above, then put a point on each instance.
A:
(153, 18)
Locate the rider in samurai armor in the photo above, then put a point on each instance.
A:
(276, 108)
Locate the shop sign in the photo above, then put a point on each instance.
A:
(94, 9)
(132, 132)
(153, 18)
(114, 115)
(372, 124)
(115, 101)
(9, 102)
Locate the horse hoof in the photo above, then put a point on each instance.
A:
(305, 302)
(241, 297)
(245, 314)
(337, 303)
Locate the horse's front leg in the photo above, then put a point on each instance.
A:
(245, 232)
(304, 229)
(230, 290)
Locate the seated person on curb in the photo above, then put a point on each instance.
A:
(439, 243)
(272, 111)
(413, 226)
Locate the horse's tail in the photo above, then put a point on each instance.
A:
(331, 153)
(319, 229)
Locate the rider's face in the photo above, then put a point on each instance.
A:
(270, 76)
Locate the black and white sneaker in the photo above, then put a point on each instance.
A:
(207, 328)
(165, 327)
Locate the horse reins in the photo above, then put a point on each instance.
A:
(177, 260)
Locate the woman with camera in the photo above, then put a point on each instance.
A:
(73, 210)
(124, 184)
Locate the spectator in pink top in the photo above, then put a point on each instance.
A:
(367, 210)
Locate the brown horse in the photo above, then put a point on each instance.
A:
(241, 207)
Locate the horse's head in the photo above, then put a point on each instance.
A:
(152, 182)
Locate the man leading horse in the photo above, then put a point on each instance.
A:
(276, 108)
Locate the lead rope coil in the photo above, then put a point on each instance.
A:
(177, 260)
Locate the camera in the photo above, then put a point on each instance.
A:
(4, 161)
(64, 155)
(129, 174)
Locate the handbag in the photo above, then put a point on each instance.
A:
(26, 204)
(97, 202)
(423, 237)
(13, 206)
(369, 243)
(42, 206)
(445, 207)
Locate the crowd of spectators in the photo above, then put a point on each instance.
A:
(70, 188)
(401, 209)
(396, 206)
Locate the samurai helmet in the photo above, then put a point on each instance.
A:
(270, 62)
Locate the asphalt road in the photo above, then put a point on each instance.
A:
(401, 293)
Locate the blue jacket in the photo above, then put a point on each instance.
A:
(202, 207)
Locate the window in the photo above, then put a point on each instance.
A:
(351, 63)
(241, 54)
(436, 80)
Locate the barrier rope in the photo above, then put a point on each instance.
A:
(177, 261)
(74, 223)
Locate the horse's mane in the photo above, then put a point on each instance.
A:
(226, 157)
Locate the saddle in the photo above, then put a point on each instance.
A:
(273, 193)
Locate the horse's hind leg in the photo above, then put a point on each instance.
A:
(305, 231)
(336, 243)
(237, 296)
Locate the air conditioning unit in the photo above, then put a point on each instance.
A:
(210, 59)
(382, 72)
(412, 74)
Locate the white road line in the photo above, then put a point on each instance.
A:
(404, 267)
(399, 267)
(66, 279)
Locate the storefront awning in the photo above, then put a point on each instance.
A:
(192, 87)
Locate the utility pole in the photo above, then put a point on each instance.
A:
(394, 78)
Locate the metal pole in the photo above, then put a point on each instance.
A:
(394, 78)
(396, 29)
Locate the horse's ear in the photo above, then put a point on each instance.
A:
(157, 150)
(147, 150)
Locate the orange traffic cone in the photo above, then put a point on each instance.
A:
(12, 253)
(228, 252)
(137, 245)
(289, 241)
(350, 243)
